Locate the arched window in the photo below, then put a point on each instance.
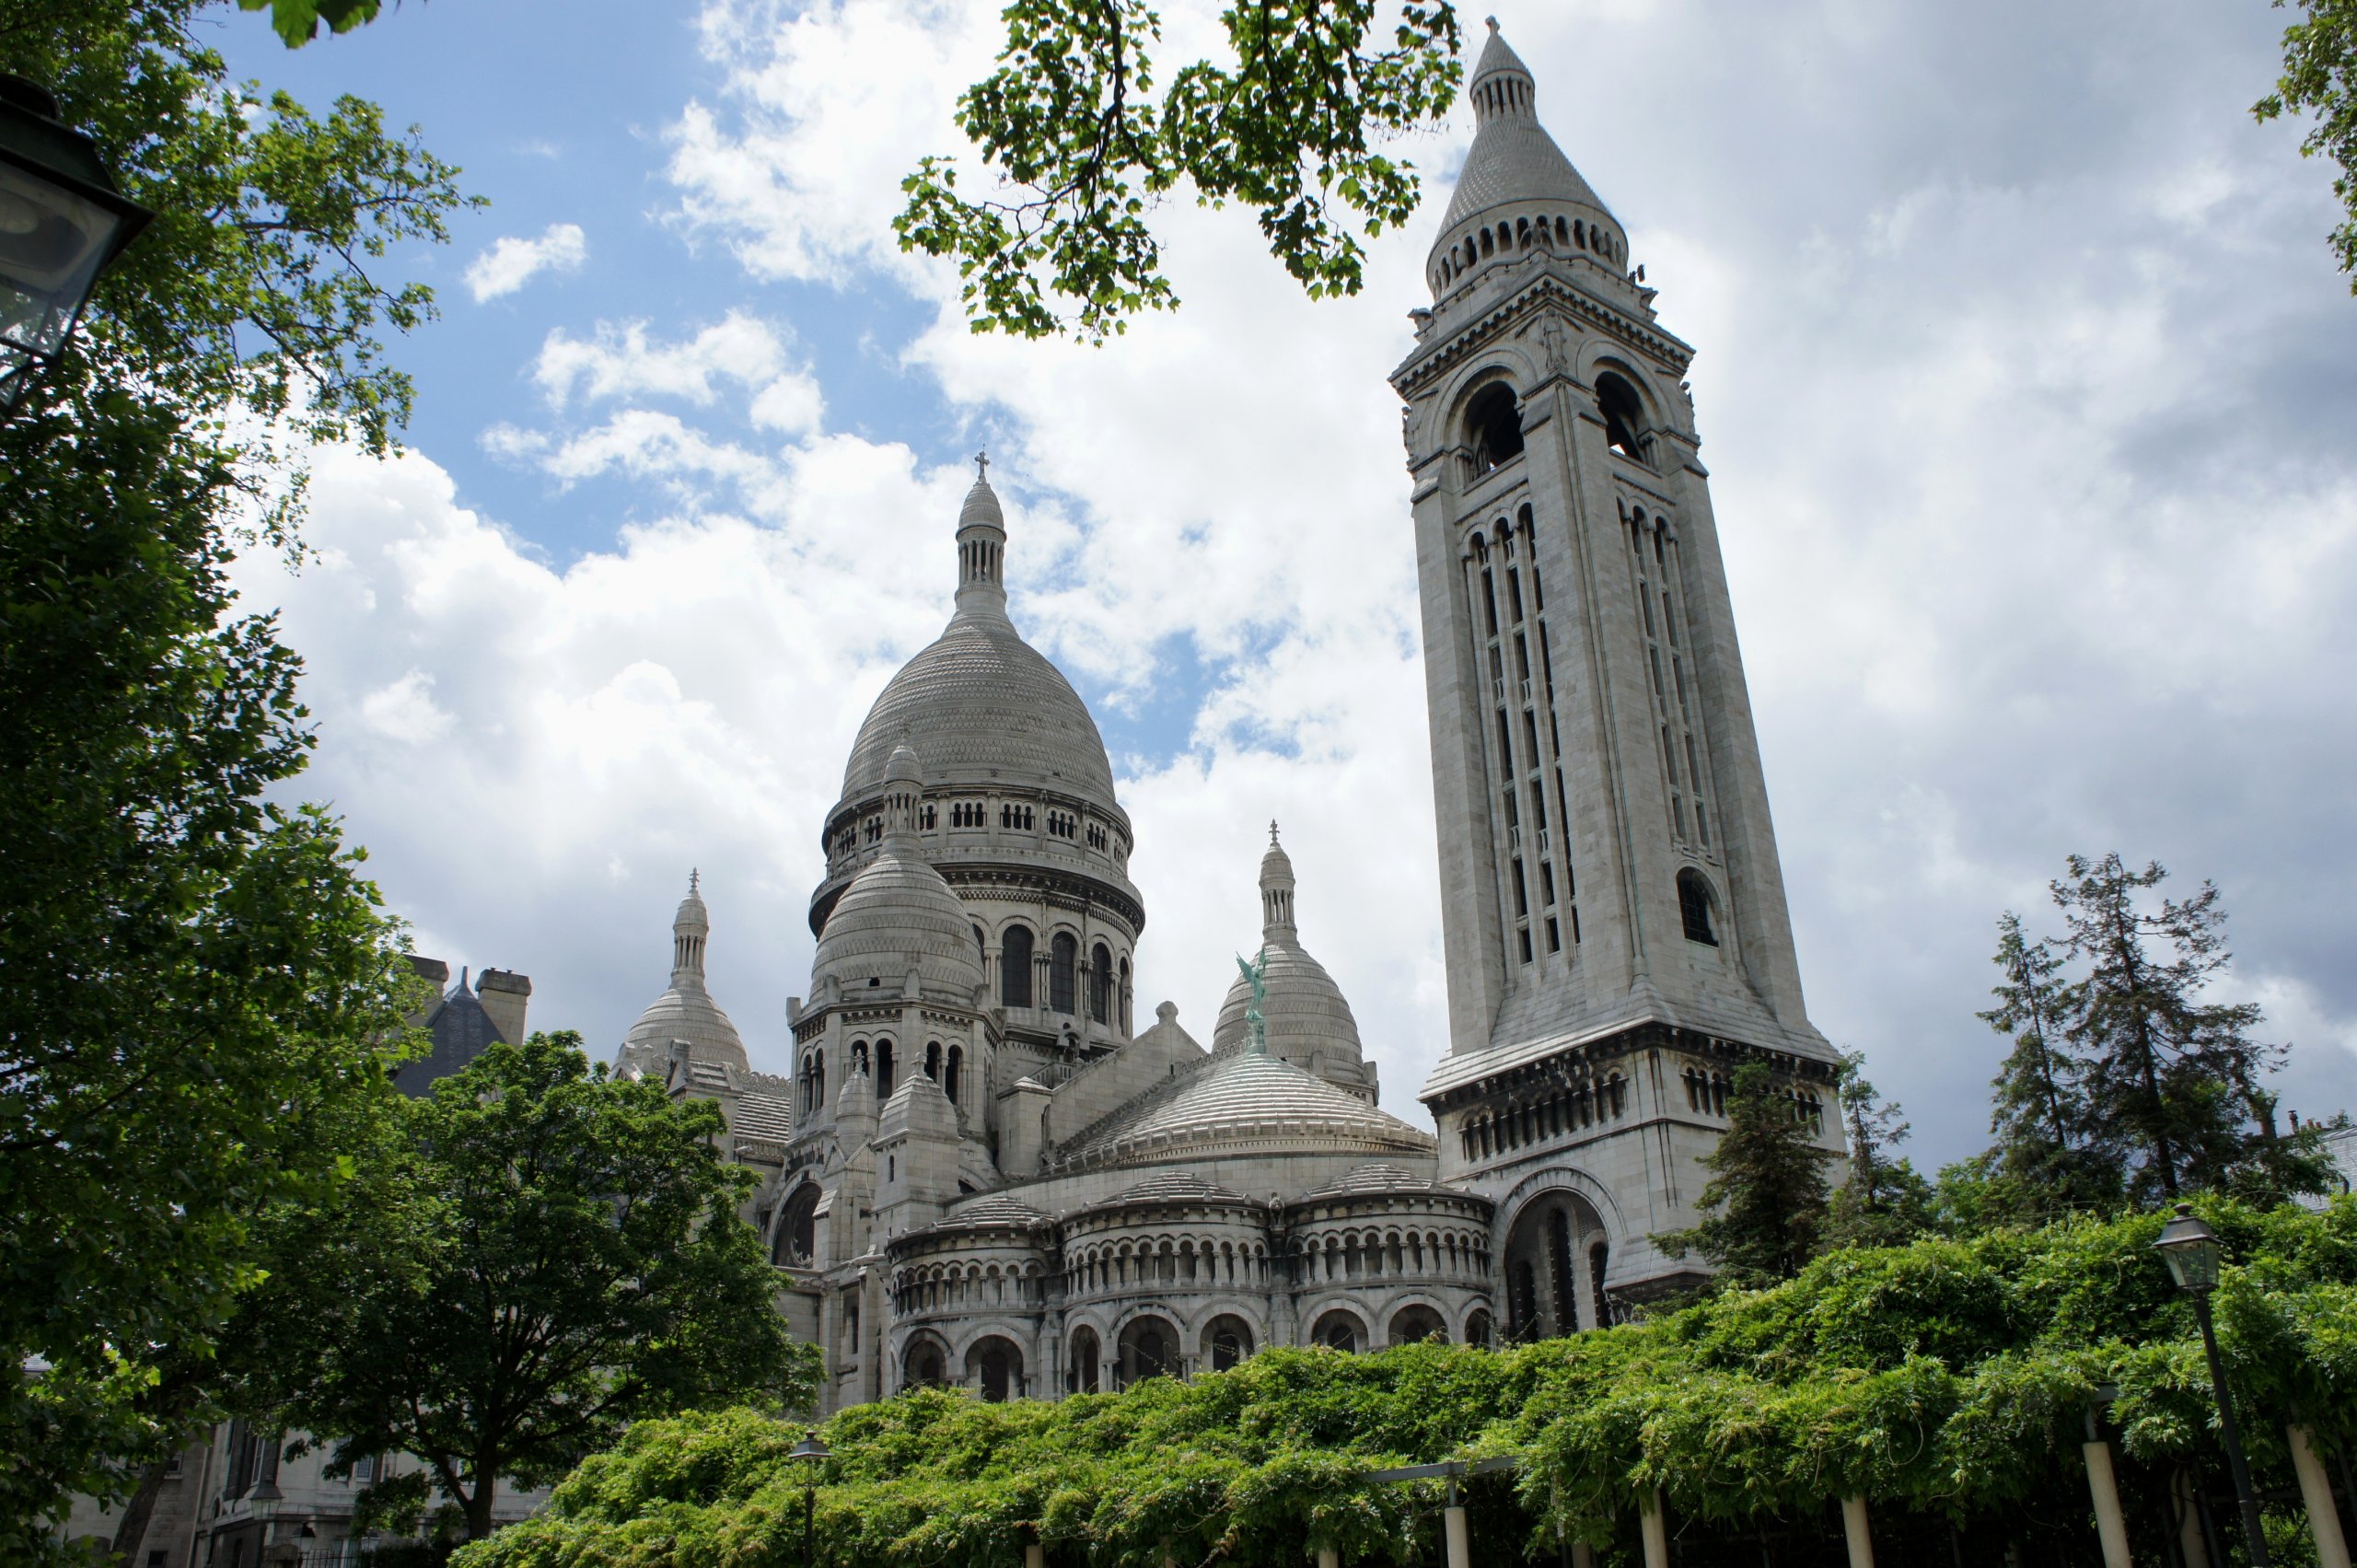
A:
(797, 1228)
(1493, 428)
(1598, 1257)
(1015, 968)
(1694, 907)
(1478, 1329)
(1624, 415)
(1063, 956)
(883, 1069)
(1339, 1330)
(954, 1075)
(1125, 996)
(932, 1059)
(817, 1080)
(1100, 983)
(1227, 1339)
(997, 1365)
(981, 946)
(925, 1367)
(1412, 1325)
(1082, 1374)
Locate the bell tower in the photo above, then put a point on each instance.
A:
(1613, 911)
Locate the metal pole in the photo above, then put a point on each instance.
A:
(810, 1523)
(2253, 1531)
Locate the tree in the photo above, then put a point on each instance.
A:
(2041, 1165)
(2320, 76)
(544, 1255)
(298, 22)
(1884, 1202)
(198, 992)
(1765, 1202)
(1070, 121)
(2173, 1079)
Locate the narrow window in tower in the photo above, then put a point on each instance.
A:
(1013, 970)
(1702, 824)
(1522, 657)
(1514, 823)
(1063, 954)
(1514, 592)
(1538, 594)
(1677, 673)
(1668, 619)
(1489, 247)
(1100, 983)
(1661, 540)
(883, 1070)
(1668, 758)
(1693, 768)
(1645, 607)
(1563, 815)
(1652, 655)
(1678, 813)
(1506, 743)
(1530, 734)
(1537, 807)
(1521, 892)
(1554, 936)
(1694, 907)
(1576, 922)
(1554, 731)
(1547, 882)
(1497, 673)
(1547, 660)
(1489, 600)
(1524, 935)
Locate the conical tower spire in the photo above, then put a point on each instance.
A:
(981, 545)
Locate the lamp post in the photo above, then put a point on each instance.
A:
(61, 221)
(2191, 1248)
(811, 1451)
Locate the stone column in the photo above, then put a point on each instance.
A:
(1329, 1558)
(1656, 1535)
(2112, 1525)
(2316, 1490)
(1854, 1529)
(1035, 1555)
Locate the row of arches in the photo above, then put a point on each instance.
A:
(1374, 1254)
(1522, 1123)
(945, 1066)
(1113, 1265)
(1549, 232)
(850, 833)
(953, 1285)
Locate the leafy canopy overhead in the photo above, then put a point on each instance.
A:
(1083, 148)
(298, 22)
(2320, 79)
(538, 1256)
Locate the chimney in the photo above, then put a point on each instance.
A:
(505, 994)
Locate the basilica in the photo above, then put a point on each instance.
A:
(982, 1171)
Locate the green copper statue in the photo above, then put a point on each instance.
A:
(1256, 1026)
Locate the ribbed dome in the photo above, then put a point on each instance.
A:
(1242, 1099)
(987, 707)
(688, 1014)
(898, 914)
(1306, 1013)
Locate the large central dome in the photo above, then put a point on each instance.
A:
(985, 705)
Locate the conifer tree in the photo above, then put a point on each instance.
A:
(1885, 1202)
(2041, 1164)
(1764, 1203)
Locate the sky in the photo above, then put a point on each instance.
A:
(2026, 386)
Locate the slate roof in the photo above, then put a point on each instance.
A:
(1238, 1096)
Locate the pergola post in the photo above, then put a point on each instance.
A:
(2316, 1490)
(1329, 1558)
(1857, 1532)
(1035, 1555)
(1656, 1535)
(1461, 1540)
(2111, 1525)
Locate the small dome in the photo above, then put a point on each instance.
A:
(685, 1014)
(981, 508)
(1234, 1103)
(897, 915)
(1306, 1013)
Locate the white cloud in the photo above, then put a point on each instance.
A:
(512, 262)
(405, 710)
(621, 362)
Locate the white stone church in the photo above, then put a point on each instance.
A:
(983, 1172)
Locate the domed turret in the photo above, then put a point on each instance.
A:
(899, 918)
(1307, 1021)
(685, 1012)
(1518, 191)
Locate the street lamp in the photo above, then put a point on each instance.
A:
(811, 1451)
(61, 222)
(2191, 1248)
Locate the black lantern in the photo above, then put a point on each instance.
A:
(811, 1451)
(2191, 1248)
(61, 222)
